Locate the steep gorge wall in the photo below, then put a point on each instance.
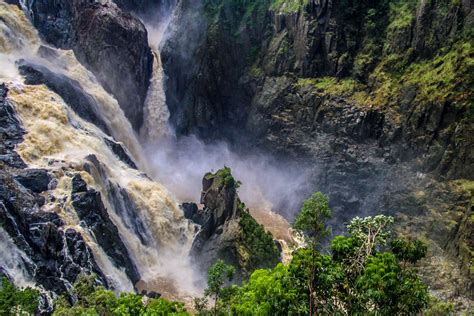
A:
(242, 64)
(376, 94)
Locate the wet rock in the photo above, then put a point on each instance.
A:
(114, 46)
(11, 132)
(120, 201)
(222, 232)
(109, 42)
(220, 209)
(40, 235)
(120, 152)
(91, 210)
(70, 91)
(128, 210)
(78, 184)
(151, 294)
(191, 212)
(37, 180)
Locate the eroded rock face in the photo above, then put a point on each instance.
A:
(11, 132)
(149, 10)
(90, 209)
(111, 43)
(219, 233)
(57, 254)
(202, 88)
(225, 229)
(240, 75)
(32, 216)
(36, 180)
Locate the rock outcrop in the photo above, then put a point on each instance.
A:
(227, 229)
(91, 210)
(111, 43)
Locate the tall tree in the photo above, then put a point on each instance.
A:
(312, 222)
(219, 273)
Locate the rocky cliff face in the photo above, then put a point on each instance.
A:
(227, 230)
(376, 94)
(58, 253)
(111, 43)
(149, 10)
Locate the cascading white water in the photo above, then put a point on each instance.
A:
(13, 261)
(59, 140)
(156, 114)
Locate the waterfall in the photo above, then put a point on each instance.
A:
(58, 140)
(156, 125)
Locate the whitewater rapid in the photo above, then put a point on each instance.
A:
(58, 140)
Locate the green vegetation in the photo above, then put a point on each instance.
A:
(359, 276)
(402, 14)
(96, 300)
(256, 246)
(15, 301)
(244, 13)
(219, 274)
(366, 272)
(311, 222)
(449, 76)
(344, 87)
(409, 251)
(224, 177)
(446, 78)
(288, 6)
(438, 307)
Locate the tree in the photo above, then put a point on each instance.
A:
(92, 299)
(407, 250)
(389, 289)
(311, 221)
(382, 285)
(218, 274)
(15, 301)
(312, 218)
(368, 234)
(163, 307)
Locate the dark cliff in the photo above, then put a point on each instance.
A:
(376, 94)
(111, 43)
